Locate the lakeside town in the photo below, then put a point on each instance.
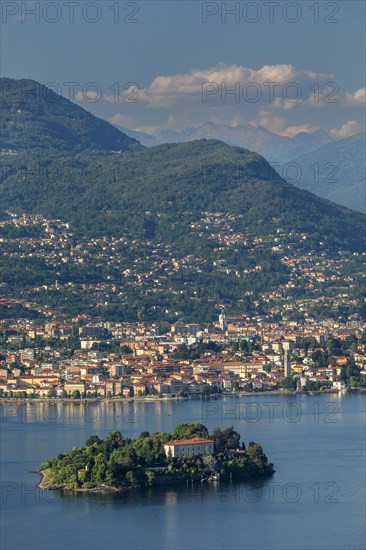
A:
(81, 358)
(111, 325)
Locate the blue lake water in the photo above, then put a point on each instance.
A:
(315, 499)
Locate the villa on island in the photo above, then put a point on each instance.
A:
(158, 459)
(189, 447)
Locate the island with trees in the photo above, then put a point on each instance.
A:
(188, 455)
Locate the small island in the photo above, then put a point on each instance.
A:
(190, 454)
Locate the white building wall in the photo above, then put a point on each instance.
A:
(189, 450)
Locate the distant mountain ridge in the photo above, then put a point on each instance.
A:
(337, 171)
(273, 147)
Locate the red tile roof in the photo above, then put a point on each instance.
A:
(194, 441)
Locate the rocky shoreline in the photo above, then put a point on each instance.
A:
(46, 485)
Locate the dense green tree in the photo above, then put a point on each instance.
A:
(289, 383)
(228, 438)
(189, 431)
(92, 439)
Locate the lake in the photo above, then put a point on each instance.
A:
(315, 500)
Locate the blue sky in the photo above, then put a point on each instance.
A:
(292, 65)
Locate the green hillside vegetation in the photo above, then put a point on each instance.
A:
(33, 117)
(120, 462)
(155, 193)
(65, 164)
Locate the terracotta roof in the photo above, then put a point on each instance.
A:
(194, 441)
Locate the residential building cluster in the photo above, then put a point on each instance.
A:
(83, 358)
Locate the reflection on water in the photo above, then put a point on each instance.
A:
(236, 491)
(250, 409)
(317, 445)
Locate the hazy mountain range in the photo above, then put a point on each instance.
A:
(271, 146)
(337, 172)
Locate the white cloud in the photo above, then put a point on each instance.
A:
(125, 121)
(122, 120)
(272, 81)
(329, 95)
(357, 98)
(274, 123)
(291, 131)
(283, 88)
(174, 120)
(147, 129)
(277, 73)
(346, 130)
(90, 96)
(285, 104)
(236, 120)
